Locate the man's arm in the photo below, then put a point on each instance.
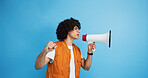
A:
(42, 60)
(87, 63)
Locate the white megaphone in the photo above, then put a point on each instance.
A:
(103, 38)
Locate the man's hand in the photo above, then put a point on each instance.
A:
(91, 47)
(49, 47)
(42, 60)
(87, 63)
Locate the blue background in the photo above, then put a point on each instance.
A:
(26, 26)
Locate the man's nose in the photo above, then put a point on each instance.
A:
(78, 31)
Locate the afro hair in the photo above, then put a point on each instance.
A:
(65, 26)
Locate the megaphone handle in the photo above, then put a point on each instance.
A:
(91, 42)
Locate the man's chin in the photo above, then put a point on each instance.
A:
(77, 38)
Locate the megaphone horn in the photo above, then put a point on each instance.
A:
(103, 38)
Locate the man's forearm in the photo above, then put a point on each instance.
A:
(88, 61)
(40, 62)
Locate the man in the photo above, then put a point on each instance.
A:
(63, 58)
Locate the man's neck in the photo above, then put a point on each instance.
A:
(69, 41)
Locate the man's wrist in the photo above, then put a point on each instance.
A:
(44, 52)
(90, 51)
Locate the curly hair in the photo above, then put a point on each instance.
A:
(65, 26)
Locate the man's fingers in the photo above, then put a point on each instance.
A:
(55, 47)
(52, 46)
(92, 45)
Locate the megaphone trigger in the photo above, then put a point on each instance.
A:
(89, 42)
(94, 50)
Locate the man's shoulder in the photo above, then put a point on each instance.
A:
(58, 42)
(76, 46)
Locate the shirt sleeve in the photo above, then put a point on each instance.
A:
(51, 55)
(81, 55)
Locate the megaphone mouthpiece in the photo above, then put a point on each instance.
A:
(84, 37)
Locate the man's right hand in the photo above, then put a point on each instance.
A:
(49, 47)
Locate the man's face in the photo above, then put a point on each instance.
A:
(74, 33)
